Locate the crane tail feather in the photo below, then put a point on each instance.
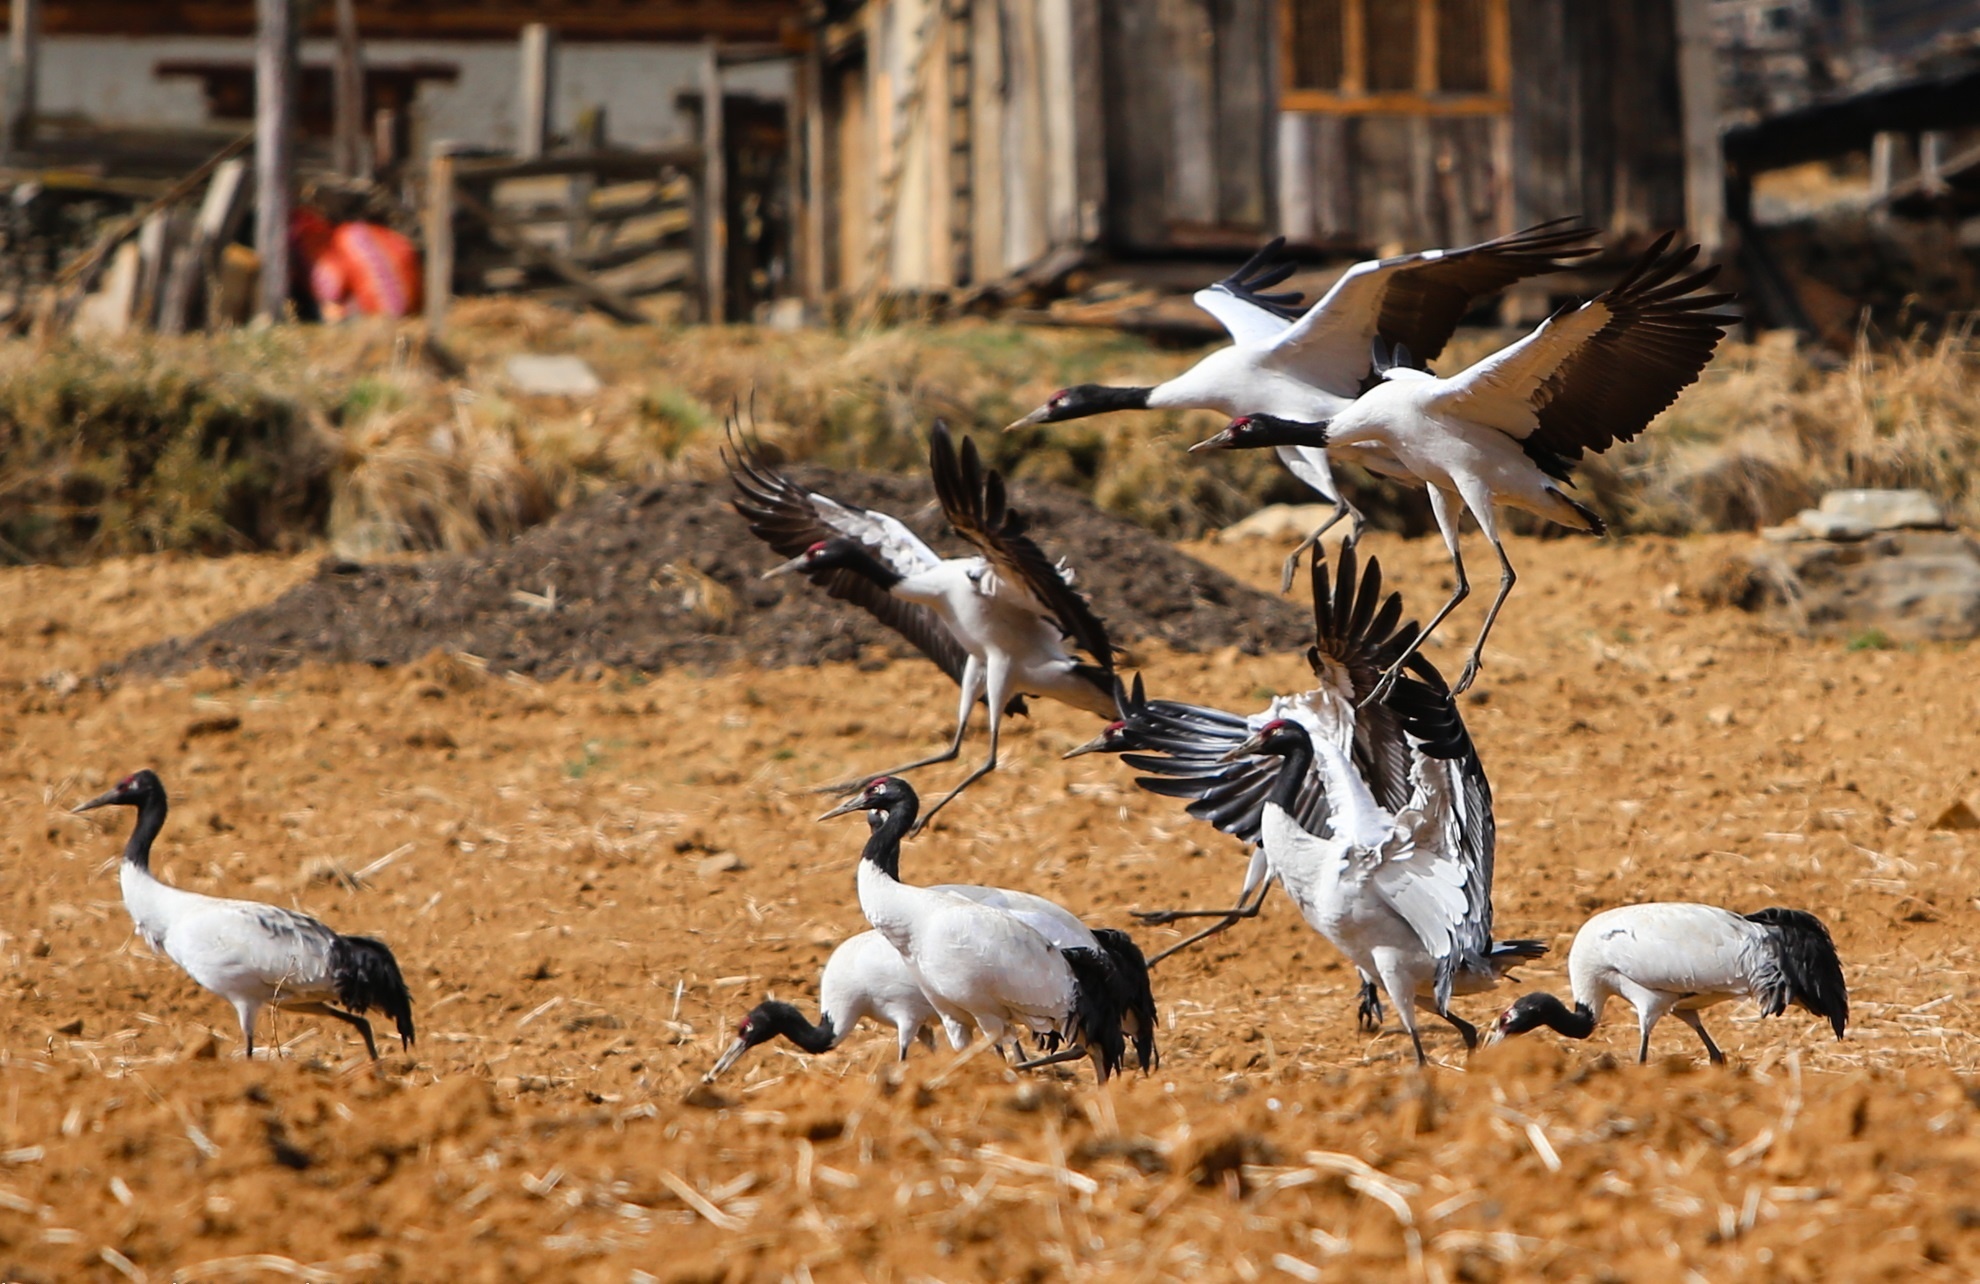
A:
(367, 977)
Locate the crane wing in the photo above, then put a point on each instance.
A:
(226, 942)
(790, 519)
(972, 498)
(1049, 919)
(1597, 374)
(1415, 300)
(1254, 318)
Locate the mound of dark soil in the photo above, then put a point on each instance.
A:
(670, 575)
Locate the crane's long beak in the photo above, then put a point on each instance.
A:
(1253, 745)
(1221, 441)
(791, 567)
(1094, 745)
(726, 1060)
(101, 800)
(855, 803)
(1493, 1034)
(1037, 416)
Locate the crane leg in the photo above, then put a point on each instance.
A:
(1506, 581)
(1071, 1052)
(1229, 918)
(999, 684)
(1691, 1018)
(1341, 509)
(352, 1019)
(972, 686)
(1447, 524)
(1466, 1030)
(1368, 1014)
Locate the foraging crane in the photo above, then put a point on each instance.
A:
(1676, 957)
(250, 954)
(1508, 429)
(1309, 365)
(865, 977)
(999, 622)
(1388, 888)
(979, 964)
(1391, 742)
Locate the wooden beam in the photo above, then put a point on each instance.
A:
(274, 152)
(23, 71)
(216, 212)
(440, 194)
(83, 265)
(613, 21)
(518, 242)
(535, 90)
(1698, 105)
(348, 95)
(714, 189)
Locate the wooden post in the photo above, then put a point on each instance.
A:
(1932, 161)
(274, 148)
(714, 190)
(534, 95)
(1698, 99)
(23, 55)
(384, 140)
(348, 89)
(439, 234)
(809, 133)
(216, 212)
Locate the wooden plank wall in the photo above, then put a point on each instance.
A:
(1035, 172)
(1191, 123)
(1597, 119)
(1596, 130)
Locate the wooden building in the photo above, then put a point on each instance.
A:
(956, 142)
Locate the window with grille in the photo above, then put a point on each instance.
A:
(1434, 57)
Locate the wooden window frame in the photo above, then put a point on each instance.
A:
(1425, 100)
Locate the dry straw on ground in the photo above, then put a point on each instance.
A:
(271, 439)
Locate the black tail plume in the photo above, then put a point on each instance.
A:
(367, 977)
(1096, 1009)
(1808, 961)
(1133, 993)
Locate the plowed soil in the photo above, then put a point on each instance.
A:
(670, 575)
(590, 879)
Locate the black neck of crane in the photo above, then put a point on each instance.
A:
(868, 567)
(1298, 761)
(883, 845)
(150, 819)
(782, 1018)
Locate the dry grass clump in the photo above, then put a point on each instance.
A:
(1766, 432)
(270, 438)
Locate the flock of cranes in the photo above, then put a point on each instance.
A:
(1363, 797)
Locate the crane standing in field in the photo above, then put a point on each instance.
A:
(1679, 958)
(978, 964)
(998, 622)
(250, 954)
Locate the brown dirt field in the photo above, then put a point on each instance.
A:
(579, 945)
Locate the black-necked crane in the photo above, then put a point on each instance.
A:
(1308, 365)
(1394, 744)
(1677, 957)
(864, 977)
(1508, 430)
(1001, 622)
(250, 954)
(978, 964)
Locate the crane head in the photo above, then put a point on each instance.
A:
(131, 791)
(1080, 401)
(882, 795)
(1253, 432)
(1113, 738)
(825, 555)
(1279, 736)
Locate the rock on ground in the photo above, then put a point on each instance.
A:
(1908, 585)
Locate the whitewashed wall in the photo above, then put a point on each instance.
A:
(113, 80)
